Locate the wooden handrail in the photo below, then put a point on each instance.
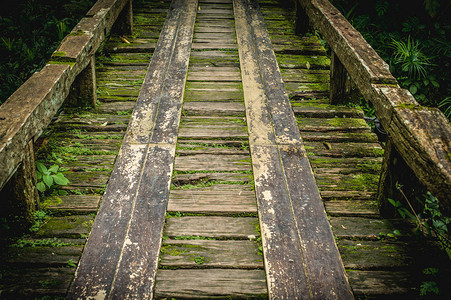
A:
(421, 135)
(29, 110)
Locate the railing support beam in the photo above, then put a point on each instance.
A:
(83, 91)
(302, 23)
(20, 197)
(124, 23)
(342, 89)
(397, 181)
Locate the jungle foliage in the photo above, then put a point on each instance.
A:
(413, 36)
(30, 30)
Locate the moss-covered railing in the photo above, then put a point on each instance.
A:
(418, 137)
(70, 73)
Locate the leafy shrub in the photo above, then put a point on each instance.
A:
(49, 178)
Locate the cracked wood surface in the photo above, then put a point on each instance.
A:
(284, 181)
(122, 263)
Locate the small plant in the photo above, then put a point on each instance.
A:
(25, 243)
(410, 57)
(430, 222)
(71, 264)
(40, 217)
(48, 178)
(199, 260)
(445, 107)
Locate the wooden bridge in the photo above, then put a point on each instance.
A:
(220, 160)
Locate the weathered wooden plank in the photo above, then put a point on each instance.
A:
(73, 203)
(382, 283)
(66, 227)
(364, 228)
(366, 255)
(139, 255)
(216, 96)
(41, 256)
(210, 283)
(350, 207)
(207, 108)
(209, 162)
(129, 253)
(212, 227)
(281, 188)
(212, 253)
(333, 124)
(192, 178)
(213, 132)
(202, 46)
(349, 149)
(208, 29)
(213, 76)
(346, 195)
(338, 137)
(116, 202)
(281, 244)
(40, 282)
(186, 149)
(218, 199)
(321, 257)
(312, 111)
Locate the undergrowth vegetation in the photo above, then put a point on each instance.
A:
(414, 38)
(30, 30)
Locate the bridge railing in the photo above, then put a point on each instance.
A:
(70, 73)
(419, 135)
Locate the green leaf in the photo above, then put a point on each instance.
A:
(63, 193)
(413, 89)
(435, 83)
(54, 169)
(41, 168)
(41, 187)
(396, 232)
(39, 175)
(48, 180)
(60, 179)
(392, 202)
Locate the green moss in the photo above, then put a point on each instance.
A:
(346, 122)
(410, 106)
(51, 201)
(77, 33)
(59, 53)
(199, 259)
(61, 62)
(172, 250)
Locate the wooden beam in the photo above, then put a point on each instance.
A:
(420, 135)
(301, 257)
(29, 110)
(121, 256)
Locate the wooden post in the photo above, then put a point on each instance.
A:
(20, 197)
(124, 23)
(302, 22)
(338, 81)
(342, 89)
(83, 91)
(395, 172)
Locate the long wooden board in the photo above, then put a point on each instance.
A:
(121, 256)
(301, 258)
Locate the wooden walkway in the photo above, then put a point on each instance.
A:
(212, 194)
